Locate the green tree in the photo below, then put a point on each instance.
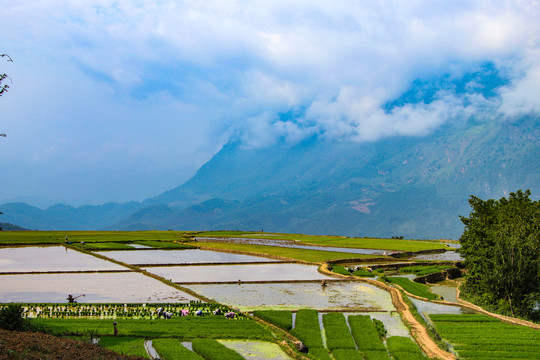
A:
(501, 248)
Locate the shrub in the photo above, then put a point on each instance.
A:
(211, 349)
(11, 318)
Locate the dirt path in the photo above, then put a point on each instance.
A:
(418, 331)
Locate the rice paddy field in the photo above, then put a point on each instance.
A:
(125, 277)
(475, 336)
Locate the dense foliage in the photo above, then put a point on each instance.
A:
(501, 247)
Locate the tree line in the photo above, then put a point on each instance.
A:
(501, 248)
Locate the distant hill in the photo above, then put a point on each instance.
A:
(10, 227)
(416, 187)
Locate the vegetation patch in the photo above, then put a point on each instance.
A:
(365, 333)
(476, 336)
(280, 318)
(172, 349)
(313, 256)
(213, 350)
(307, 328)
(339, 241)
(413, 287)
(216, 327)
(403, 348)
(124, 345)
(422, 270)
(338, 334)
(347, 354)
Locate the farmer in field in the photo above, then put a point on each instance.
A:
(115, 329)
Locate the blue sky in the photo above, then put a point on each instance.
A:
(122, 100)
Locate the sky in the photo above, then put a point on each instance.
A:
(122, 100)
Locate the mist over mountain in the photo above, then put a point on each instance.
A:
(413, 185)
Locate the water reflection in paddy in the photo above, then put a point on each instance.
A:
(256, 350)
(295, 245)
(50, 258)
(227, 273)
(445, 256)
(190, 256)
(338, 295)
(98, 288)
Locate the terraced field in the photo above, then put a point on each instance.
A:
(475, 336)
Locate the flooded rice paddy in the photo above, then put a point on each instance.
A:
(233, 273)
(127, 287)
(445, 256)
(256, 350)
(337, 295)
(50, 259)
(296, 245)
(180, 257)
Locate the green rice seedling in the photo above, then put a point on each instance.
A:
(365, 273)
(347, 354)
(307, 328)
(281, 318)
(422, 270)
(376, 355)
(172, 349)
(365, 333)
(319, 354)
(479, 336)
(403, 348)
(339, 269)
(338, 334)
(165, 245)
(413, 287)
(211, 349)
(186, 327)
(124, 345)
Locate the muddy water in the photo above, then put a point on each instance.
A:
(98, 288)
(51, 258)
(256, 350)
(190, 256)
(337, 295)
(448, 292)
(228, 273)
(295, 245)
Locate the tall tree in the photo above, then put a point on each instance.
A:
(501, 247)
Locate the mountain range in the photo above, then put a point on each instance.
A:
(411, 186)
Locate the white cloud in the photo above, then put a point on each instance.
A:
(167, 81)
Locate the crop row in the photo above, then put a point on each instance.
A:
(281, 318)
(413, 287)
(479, 337)
(119, 311)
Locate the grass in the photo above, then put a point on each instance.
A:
(172, 349)
(338, 334)
(422, 270)
(339, 241)
(413, 287)
(476, 336)
(124, 345)
(347, 354)
(312, 256)
(58, 237)
(185, 327)
(280, 318)
(307, 328)
(365, 333)
(403, 348)
(213, 350)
